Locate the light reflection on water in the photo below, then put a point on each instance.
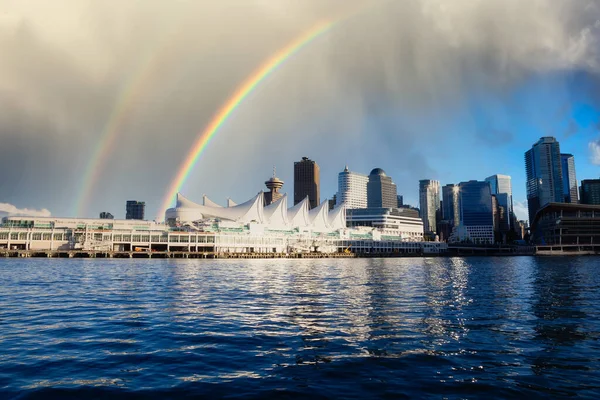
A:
(438, 326)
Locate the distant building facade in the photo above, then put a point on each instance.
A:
(476, 213)
(403, 222)
(568, 227)
(307, 182)
(135, 209)
(106, 215)
(450, 206)
(544, 175)
(569, 178)
(332, 202)
(381, 190)
(590, 191)
(429, 203)
(352, 189)
(400, 201)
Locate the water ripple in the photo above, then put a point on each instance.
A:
(402, 328)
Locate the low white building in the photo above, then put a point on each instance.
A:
(398, 222)
(478, 234)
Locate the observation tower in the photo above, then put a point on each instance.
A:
(273, 184)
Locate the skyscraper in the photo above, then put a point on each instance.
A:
(476, 207)
(307, 182)
(429, 203)
(352, 189)
(381, 191)
(273, 184)
(450, 210)
(135, 209)
(590, 191)
(569, 178)
(544, 175)
(501, 187)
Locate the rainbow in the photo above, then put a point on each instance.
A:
(128, 98)
(234, 101)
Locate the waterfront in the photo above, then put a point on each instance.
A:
(419, 327)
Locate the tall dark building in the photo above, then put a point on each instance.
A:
(381, 191)
(307, 182)
(135, 209)
(590, 191)
(106, 215)
(544, 175)
(450, 210)
(400, 201)
(569, 178)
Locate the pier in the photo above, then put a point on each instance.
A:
(161, 254)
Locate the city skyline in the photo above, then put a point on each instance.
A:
(468, 102)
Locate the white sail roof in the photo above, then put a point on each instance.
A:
(276, 213)
(231, 203)
(252, 210)
(298, 215)
(319, 217)
(208, 202)
(337, 217)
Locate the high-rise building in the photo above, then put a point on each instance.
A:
(429, 203)
(400, 201)
(273, 184)
(590, 191)
(501, 187)
(106, 215)
(381, 190)
(476, 211)
(450, 210)
(352, 189)
(476, 204)
(544, 175)
(569, 178)
(135, 209)
(307, 182)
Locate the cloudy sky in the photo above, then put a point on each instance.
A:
(421, 88)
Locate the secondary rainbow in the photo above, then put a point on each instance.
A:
(234, 101)
(129, 96)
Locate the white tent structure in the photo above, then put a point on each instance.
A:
(275, 216)
(231, 203)
(276, 213)
(318, 217)
(187, 211)
(208, 202)
(337, 217)
(298, 215)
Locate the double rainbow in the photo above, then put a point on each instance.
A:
(233, 102)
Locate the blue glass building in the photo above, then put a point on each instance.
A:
(476, 204)
(544, 175)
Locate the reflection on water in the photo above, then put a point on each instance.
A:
(442, 327)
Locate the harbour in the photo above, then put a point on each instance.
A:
(454, 327)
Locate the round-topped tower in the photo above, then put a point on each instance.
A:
(273, 184)
(378, 171)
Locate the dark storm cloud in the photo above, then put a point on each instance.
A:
(368, 92)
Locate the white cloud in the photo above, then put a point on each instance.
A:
(521, 210)
(9, 209)
(594, 147)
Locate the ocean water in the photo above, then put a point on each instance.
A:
(360, 328)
